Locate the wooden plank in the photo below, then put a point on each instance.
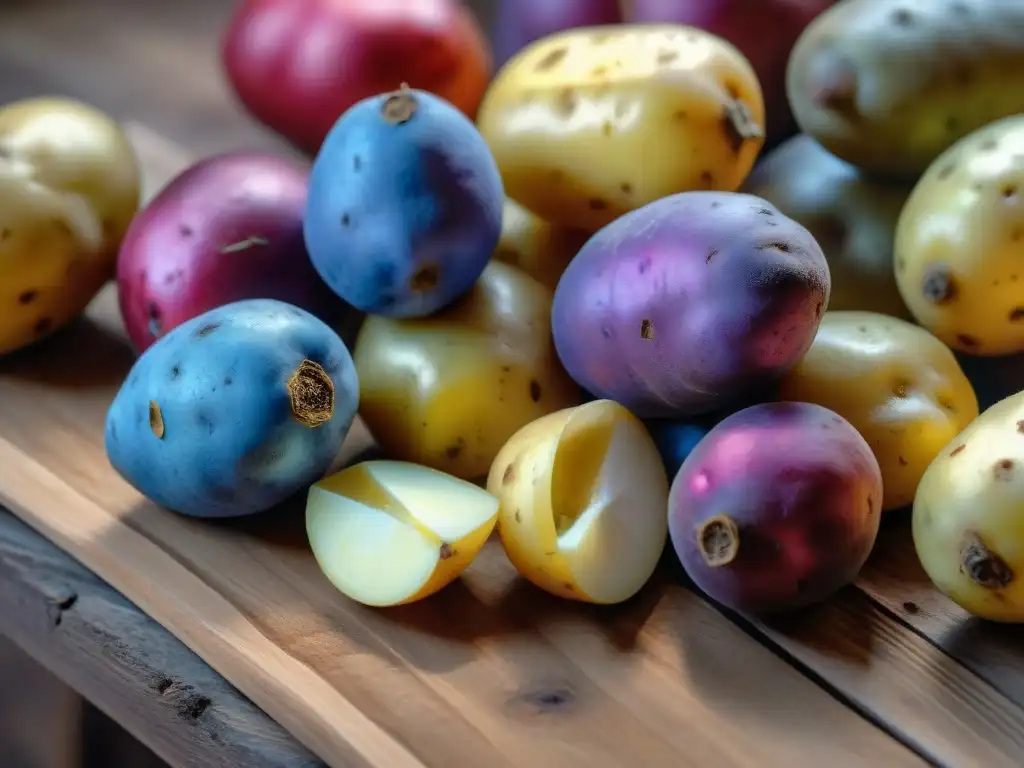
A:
(488, 672)
(128, 665)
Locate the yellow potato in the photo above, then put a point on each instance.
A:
(69, 187)
(898, 385)
(448, 390)
(590, 123)
(960, 243)
(540, 249)
(388, 532)
(583, 502)
(852, 216)
(968, 518)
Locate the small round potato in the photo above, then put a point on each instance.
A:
(960, 243)
(898, 385)
(968, 518)
(852, 216)
(69, 186)
(449, 390)
(540, 249)
(590, 123)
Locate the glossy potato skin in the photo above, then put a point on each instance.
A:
(69, 186)
(520, 22)
(403, 215)
(226, 229)
(968, 519)
(230, 443)
(588, 124)
(743, 23)
(898, 385)
(298, 65)
(852, 216)
(449, 390)
(888, 85)
(690, 303)
(539, 248)
(960, 239)
(804, 493)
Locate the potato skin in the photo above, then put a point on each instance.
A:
(690, 303)
(777, 508)
(960, 240)
(539, 248)
(520, 22)
(228, 228)
(405, 205)
(968, 519)
(852, 216)
(69, 186)
(208, 421)
(587, 124)
(449, 390)
(888, 85)
(362, 49)
(898, 385)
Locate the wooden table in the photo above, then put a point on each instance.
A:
(887, 673)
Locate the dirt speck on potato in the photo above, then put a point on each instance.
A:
(27, 297)
(425, 278)
(156, 420)
(509, 475)
(551, 59)
(312, 394)
(740, 125)
(647, 329)
(1003, 469)
(718, 539)
(244, 245)
(938, 284)
(446, 550)
(983, 566)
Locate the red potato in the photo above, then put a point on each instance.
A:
(226, 229)
(297, 65)
(764, 31)
(776, 508)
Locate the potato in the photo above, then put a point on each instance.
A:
(390, 533)
(540, 249)
(690, 303)
(447, 391)
(228, 228)
(234, 410)
(69, 186)
(898, 385)
(960, 243)
(676, 439)
(591, 123)
(405, 205)
(888, 85)
(968, 518)
(297, 66)
(743, 23)
(851, 215)
(520, 22)
(583, 497)
(777, 508)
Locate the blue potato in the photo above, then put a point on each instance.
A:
(675, 440)
(233, 411)
(405, 204)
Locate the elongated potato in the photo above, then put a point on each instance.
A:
(594, 122)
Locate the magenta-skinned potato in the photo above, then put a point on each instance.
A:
(744, 23)
(690, 303)
(520, 22)
(226, 229)
(777, 508)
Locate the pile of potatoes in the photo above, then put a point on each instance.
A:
(655, 279)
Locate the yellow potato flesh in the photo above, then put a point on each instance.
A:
(898, 385)
(69, 186)
(968, 518)
(448, 390)
(960, 243)
(590, 123)
(388, 533)
(584, 502)
(540, 249)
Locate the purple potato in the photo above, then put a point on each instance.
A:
(520, 22)
(777, 508)
(690, 303)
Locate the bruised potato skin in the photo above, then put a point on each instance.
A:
(888, 85)
(69, 186)
(593, 122)
(960, 243)
(968, 519)
(898, 385)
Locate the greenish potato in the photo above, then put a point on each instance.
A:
(888, 85)
(852, 216)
